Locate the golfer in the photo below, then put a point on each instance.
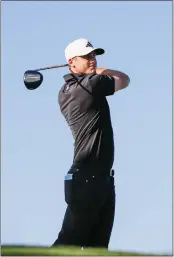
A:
(89, 183)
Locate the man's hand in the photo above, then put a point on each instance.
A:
(121, 79)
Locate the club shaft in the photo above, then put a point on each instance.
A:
(52, 67)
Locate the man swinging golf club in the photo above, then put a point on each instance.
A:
(89, 183)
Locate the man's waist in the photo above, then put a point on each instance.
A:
(79, 170)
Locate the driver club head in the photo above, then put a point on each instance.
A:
(32, 79)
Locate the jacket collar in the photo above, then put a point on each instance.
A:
(71, 76)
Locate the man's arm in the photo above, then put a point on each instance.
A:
(121, 79)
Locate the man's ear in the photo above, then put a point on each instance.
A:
(70, 62)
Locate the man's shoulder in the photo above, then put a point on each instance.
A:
(70, 83)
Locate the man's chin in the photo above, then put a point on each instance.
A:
(93, 70)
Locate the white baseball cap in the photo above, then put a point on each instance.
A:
(81, 47)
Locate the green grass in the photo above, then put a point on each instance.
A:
(61, 251)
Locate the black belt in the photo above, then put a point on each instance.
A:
(77, 173)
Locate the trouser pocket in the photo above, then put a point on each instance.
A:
(75, 190)
(89, 191)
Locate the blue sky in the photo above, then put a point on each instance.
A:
(37, 145)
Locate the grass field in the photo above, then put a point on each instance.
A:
(64, 251)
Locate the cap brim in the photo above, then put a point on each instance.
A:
(99, 51)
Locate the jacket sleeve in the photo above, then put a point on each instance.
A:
(102, 85)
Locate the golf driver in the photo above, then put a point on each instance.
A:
(33, 78)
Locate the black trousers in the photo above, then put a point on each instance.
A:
(89, 216)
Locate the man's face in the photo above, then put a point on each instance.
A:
(84, 64)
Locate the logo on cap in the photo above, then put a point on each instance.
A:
(89, 44)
